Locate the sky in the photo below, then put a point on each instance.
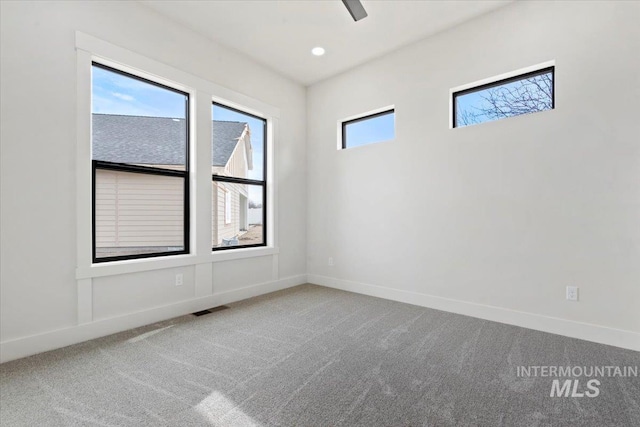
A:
(114, 93)
(377, 129)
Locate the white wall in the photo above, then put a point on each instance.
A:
(496, 219)
(39, 293)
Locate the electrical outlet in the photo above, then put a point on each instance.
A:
(572, 293)
(331, 261)
(179, 279)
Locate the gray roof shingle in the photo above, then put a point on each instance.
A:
(225, 138)
(155, 140)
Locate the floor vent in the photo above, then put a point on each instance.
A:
(210, 310)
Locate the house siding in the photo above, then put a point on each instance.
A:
(237, 166)
(221, 229)
(137, 210)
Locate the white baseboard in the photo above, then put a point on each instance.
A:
(585, 331)
(34, 344)
(27, 346)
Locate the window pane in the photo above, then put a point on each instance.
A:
(527, 95)
(237, 211)
(377, 128)
(136, 122)
(138, 213)
(238, 144)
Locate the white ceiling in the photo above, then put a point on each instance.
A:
(281, 33)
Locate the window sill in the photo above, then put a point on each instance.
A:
(228, 255)
(148, 264)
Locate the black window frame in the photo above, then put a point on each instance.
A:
(362, 119)
(236, 180)
(551, 69)
(146, 170)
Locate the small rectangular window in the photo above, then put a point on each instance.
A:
(238, 174)
(369, 129)
(522, 94)
(139, 149)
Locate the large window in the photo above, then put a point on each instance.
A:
(369, 129)
(522, 94)
(140, 156)
(238, 172)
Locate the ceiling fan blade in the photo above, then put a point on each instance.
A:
(356, 9)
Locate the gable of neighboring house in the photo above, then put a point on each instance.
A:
(121, 220)
(230, 144)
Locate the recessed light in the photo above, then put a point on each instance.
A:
(318, 51)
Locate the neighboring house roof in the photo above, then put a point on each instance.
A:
(225, 138)
(156, 140)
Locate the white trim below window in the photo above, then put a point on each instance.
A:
(149, 264)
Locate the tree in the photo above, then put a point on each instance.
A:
(254, 205)
(513, 99)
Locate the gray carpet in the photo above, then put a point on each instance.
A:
(312, 356)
